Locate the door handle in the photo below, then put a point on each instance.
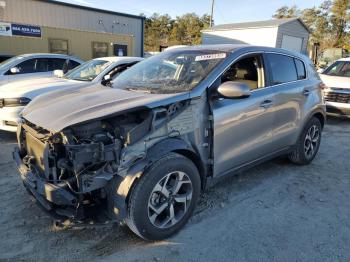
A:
(306, 92)
(266, 104)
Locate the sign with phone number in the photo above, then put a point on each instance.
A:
(26, 30)
(9, 29)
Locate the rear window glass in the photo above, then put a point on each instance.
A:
(283, 69)
(56, 64)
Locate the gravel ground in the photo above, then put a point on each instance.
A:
(273, 212)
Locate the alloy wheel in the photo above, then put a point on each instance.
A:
(311, 142)
(170, 200)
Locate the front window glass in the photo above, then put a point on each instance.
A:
(170, 72)
(339, 68)
(88, 71)
(245, 71)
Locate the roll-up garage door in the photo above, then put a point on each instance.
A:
(292, 43)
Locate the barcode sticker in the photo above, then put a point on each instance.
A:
(210, 57)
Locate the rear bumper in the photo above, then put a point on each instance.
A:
(50, 196)
(338, 109)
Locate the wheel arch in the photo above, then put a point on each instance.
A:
(125, 185)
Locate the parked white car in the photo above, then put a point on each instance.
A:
(15, 96)
(35, 65)
(337, 94)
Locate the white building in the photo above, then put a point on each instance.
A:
(290, 34)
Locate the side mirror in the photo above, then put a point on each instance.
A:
(106, 80)
(232, 89)
(14, 70)
(58, 73)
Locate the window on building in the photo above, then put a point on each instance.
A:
(300, 69)
(120, 50)
(283, 69)
(99, 49)
(58, 46)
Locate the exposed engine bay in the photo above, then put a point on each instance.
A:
(74, 169)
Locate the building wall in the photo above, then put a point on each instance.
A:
(253, 36)
(44, 13)
(296, 29)
(79, 42)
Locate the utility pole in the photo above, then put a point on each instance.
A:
(212, 14)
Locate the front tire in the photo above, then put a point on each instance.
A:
(164, 198)
(308, 144)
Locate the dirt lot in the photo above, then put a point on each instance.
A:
(275, 212)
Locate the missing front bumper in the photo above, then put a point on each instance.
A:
(48, 195)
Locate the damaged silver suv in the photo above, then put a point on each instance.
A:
(142, 150)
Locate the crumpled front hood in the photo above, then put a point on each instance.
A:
(57, 110)
(336, 81)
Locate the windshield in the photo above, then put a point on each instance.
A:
(4, 65)
(87, 71)
(170, 72)
(339, 68)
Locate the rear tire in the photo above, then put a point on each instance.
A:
(164, 198)
(308, 144)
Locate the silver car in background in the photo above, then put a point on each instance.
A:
(35, 65)
(337, 92)
(142, 150)
(16, 95)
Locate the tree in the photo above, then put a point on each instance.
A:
(287, 12)
(184, 30)
(339, 20)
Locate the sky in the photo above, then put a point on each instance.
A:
(225, 11)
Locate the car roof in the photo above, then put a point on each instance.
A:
(49, 55)
(231, 48)
(119, 58)
(344, 59)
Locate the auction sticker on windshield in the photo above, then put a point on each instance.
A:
(210, 57)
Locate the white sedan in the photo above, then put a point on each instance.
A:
(337, 94)
(35, 65)
(15, 96)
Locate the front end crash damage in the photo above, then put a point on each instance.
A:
(87, 170)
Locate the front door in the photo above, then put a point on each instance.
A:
(243, 127)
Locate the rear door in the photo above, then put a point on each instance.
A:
(291, 88)
(242, 127)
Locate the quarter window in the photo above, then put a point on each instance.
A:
(72, 64)
(283, 69)
(300, 69)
